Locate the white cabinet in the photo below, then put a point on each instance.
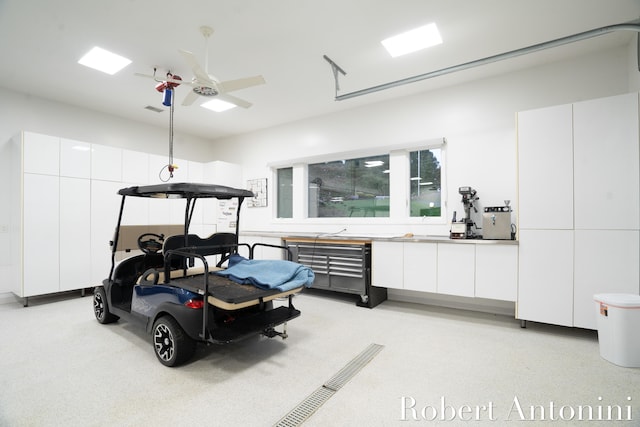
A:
(405, 265)
(105, 205)
(545, 286)
(387, 258)
(607, 178)
(51, 214)
(75, 159)
(420, 266)
(545, 175)
(497, 272)
(64, 207)
(75, 233)
(106, 163)
(606, 262)
(456, 269)
(38, 153)
(40, 240)
(135, 167)
(449, 268)
(580, 207)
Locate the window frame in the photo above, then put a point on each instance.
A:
(399, 185)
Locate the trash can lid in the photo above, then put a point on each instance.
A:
(619, 300)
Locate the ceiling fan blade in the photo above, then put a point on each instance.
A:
(234, 100)
(232, 85)
(160, 79)
(190, 98)
(146, 75)
(198, 72)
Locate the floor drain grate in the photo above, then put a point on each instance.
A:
(316, 399)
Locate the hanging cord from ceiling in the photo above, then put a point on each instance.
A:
(168, 98)
(633, 26)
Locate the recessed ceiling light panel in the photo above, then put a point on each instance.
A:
(413, 40)
(218, 105)
(103, 60)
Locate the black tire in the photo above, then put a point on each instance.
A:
(170, 343)
(101, 307)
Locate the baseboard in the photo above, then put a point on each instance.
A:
(505, 308)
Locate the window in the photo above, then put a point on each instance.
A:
(406, 184)
(284, 180)
(425, 182)
(349, 188)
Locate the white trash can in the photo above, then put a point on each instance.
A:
(618, 326)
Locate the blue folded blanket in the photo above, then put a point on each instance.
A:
(268, 274)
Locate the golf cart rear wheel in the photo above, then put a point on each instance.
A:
(170, 343)
(101, 307)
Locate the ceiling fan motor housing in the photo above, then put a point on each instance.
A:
(205, 91)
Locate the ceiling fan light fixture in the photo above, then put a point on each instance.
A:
(103, 60)
(218, 105)
(205, 91)
(413, 40)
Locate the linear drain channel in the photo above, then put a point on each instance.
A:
(316, 399)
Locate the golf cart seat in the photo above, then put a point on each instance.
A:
(223, 244)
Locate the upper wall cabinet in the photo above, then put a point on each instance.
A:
(545, 155)
(135, 167)
(606, 183)
(75, 159)
(106, 163)
(40, 153)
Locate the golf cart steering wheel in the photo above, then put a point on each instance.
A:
(150, 245)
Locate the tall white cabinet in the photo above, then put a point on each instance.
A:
(579, 208)
(64, 207)
(50, 214)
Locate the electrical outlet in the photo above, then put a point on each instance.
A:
(4, 228)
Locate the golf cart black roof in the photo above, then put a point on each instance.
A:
(185, 190)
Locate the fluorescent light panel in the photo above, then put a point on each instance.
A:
(373, 163)
(218, 105)
(413, 40)
(103, 60)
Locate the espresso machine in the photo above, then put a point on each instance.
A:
(464, 229)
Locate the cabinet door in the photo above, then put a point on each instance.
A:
(75, 158)
(456, 269)
(545, 280)
(607, 178)
(497, 272)
(75, 233)
(421, 266)
(386, 264)
(41, 153)
(135, 167)
(105, 205)
(41, 266)
(106, 163)
(545, 174)
(606, 262)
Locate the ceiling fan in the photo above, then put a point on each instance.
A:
(206, 85)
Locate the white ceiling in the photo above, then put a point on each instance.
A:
(284, 40)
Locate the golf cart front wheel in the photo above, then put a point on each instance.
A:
(101, 307)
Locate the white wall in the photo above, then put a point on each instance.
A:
(477, 119)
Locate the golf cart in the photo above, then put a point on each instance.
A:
(187, 289)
